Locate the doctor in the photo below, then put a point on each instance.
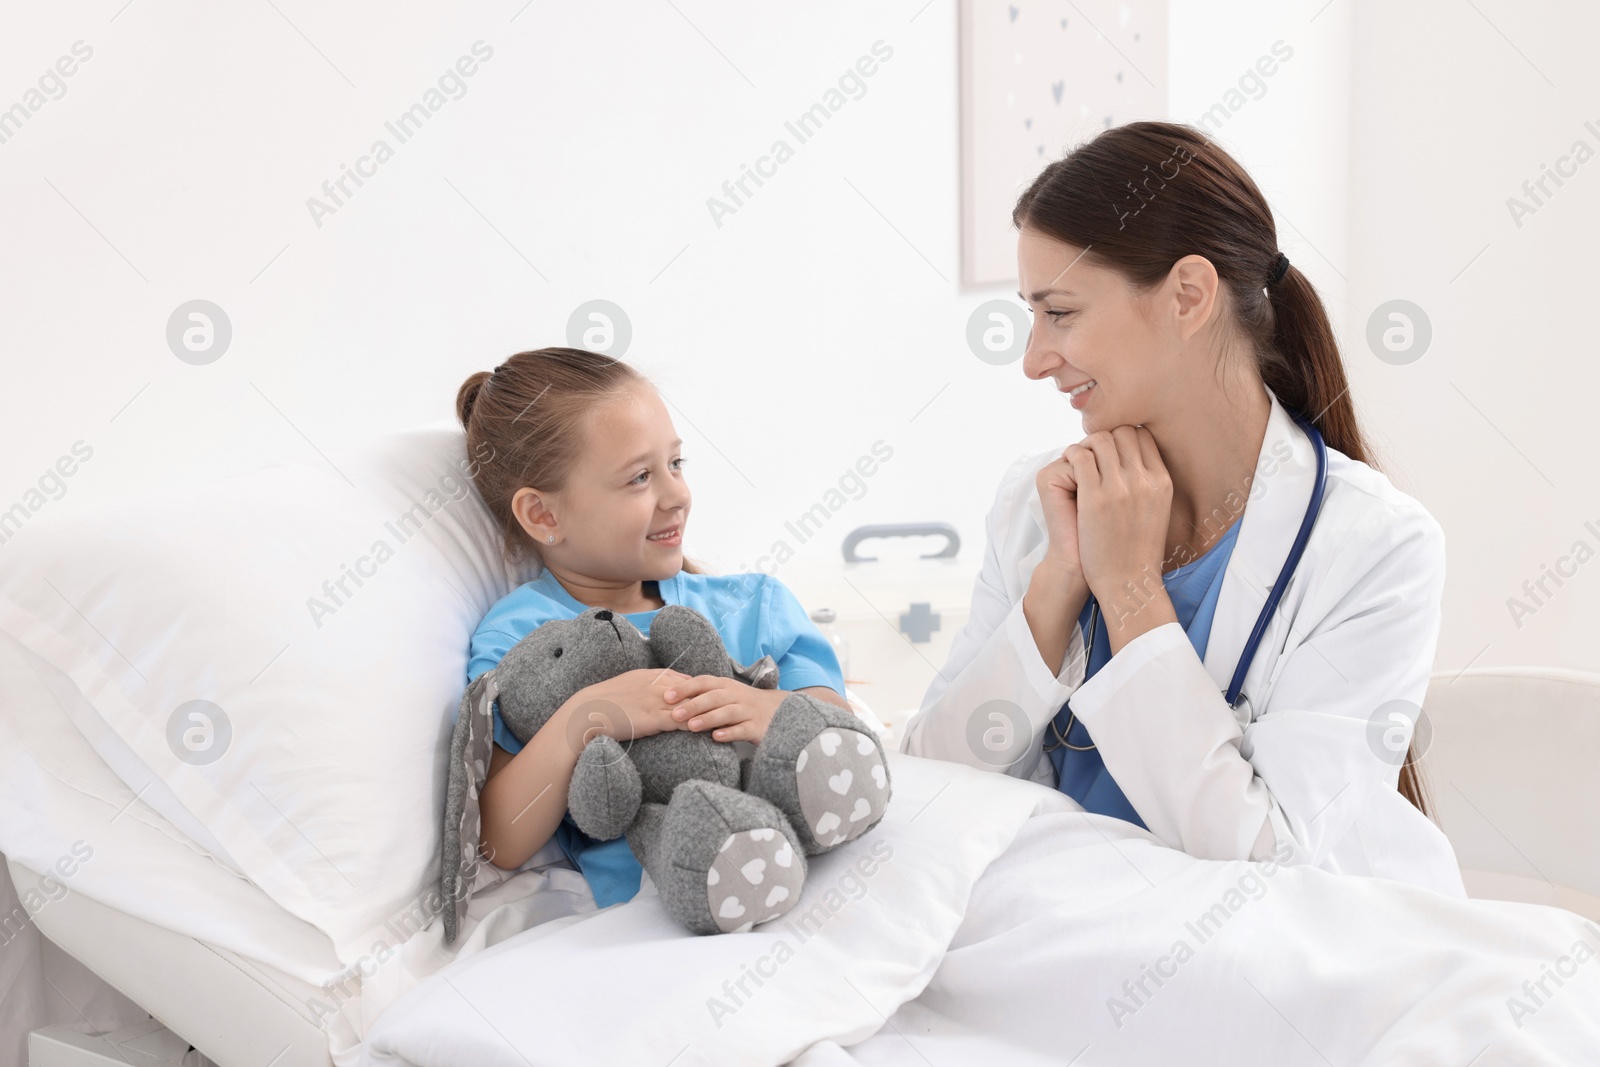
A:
(1190, 346)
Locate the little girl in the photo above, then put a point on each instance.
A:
(586, 478)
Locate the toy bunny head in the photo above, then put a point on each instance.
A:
(561, 657)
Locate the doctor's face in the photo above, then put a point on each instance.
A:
(1090, 326)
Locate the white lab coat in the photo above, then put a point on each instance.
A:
(1293, 767)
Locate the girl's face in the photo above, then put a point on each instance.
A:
(1089, 325)
(628, 484)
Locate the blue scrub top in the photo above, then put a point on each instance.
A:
(755, 614)
(1193, 589)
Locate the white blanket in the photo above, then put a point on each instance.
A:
(988, 920)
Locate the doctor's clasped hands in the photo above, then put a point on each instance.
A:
(1107, 502)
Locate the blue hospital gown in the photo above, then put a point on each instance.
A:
(755, 614)
(1193, 589)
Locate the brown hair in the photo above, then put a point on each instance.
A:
(527, 417)
(1141, 196)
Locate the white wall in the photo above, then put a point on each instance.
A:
(1455, 106)
(824, 315)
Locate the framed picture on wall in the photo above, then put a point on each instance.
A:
(1038, 76)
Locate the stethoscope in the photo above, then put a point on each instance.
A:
(1235, 691)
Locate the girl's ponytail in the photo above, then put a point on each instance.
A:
(467, 396)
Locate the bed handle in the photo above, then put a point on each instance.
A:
(902, 529)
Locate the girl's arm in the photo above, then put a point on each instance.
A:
(525, 796)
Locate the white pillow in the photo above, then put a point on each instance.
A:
(325, 607)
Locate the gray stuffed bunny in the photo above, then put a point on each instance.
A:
(723, 839)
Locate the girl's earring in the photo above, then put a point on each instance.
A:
(551, 539)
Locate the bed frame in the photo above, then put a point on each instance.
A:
(232, 1010)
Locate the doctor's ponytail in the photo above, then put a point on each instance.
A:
(1302, 366)
(1139, 197)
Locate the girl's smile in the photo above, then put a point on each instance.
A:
(671, 535)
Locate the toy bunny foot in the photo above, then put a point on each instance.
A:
(605, 791)
(722, 860)
(823, 768)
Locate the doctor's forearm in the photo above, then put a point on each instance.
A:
(1054, 600)
(1129, 617)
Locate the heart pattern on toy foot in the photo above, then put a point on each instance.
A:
(842, 783)
(756, 876)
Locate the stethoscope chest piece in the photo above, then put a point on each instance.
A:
(1243, 713)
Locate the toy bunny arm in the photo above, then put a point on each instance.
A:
(826, 693)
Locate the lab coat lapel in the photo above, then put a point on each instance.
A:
(1276, 505)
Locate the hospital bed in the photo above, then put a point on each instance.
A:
(1524, 816)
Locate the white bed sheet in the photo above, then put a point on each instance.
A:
(868, 931)
(1001, 931)
(1319, 969)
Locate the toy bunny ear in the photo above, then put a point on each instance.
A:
(470, 747)
(762, 674)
